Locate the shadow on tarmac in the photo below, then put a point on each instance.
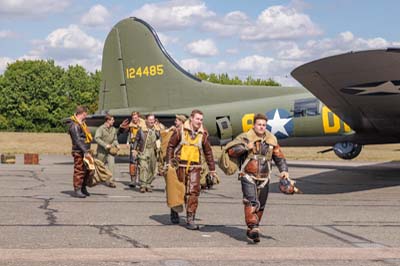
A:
(236, 233)
(346, 179)
(71, 193)
(118, 159)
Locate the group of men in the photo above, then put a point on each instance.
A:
(187, 146)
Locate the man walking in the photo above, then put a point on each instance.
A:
(106, 138)
(184, 151)
(256, 148)
(145, 148)
(132, 127)
(81, 139)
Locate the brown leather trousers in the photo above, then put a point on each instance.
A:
(254, 200)
(192, 183)
(80, 172)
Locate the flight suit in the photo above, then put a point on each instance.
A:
(133, 160)
(189, 165)
(145, 144)
(106, 136)
(81, 139)
(255, 173)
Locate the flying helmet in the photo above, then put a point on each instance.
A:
(287, 186)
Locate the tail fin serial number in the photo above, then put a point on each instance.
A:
(148, 71)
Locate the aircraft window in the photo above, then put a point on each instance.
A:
(224, 125)
(306, 107)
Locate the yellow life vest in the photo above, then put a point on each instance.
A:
(84, 128)
(190, 148)
(134, 131)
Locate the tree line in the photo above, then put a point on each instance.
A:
(225, 79)
(36, 95)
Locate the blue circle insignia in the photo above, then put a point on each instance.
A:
(280, 123)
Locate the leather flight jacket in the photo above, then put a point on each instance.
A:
(78, 138)
(141, 137)
(258, 162)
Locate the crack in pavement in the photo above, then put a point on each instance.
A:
(35, 175)
(50, 213)
(111, 231)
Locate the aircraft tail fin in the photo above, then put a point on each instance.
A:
(137, 72)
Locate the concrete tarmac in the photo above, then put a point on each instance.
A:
(348, 215)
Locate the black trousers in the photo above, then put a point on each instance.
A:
(254, 196)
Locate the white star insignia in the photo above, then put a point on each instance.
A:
(387, 87)
(277, 124)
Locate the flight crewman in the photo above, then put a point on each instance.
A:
(133, 126)
(81, 139)
(145, 148)
(256, 148)
(167, 133)
(184, 151)
(106, 138)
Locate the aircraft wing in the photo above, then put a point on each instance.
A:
(362, 88)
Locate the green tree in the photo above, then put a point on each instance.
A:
(28, 90)
(37, 95)
(81, 88)
(225, 79)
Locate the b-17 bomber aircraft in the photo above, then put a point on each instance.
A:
(355, 102)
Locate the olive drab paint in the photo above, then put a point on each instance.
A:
(138, 74)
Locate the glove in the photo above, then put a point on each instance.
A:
(214, 178)
(284, 175)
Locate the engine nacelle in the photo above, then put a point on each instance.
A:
(347, 150)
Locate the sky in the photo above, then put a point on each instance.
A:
(264, 39)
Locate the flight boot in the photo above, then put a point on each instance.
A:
(84, 191)
(78, 194)
(174, 216)
(254, 234)
(190, 224)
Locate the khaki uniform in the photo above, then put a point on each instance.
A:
(106, 136)
(146, 145)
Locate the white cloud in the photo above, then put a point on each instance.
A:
(70, 46)
(167, 39)
(193, 65)
(255, 65)
(231, 24)
(202, 48)
(263, 67)
(174, 14)
(280, 22)
(3, 63)
(97, 16)
(11, 8)
(274, 23)
(342, 43)
(293, 52)
(6, 34)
